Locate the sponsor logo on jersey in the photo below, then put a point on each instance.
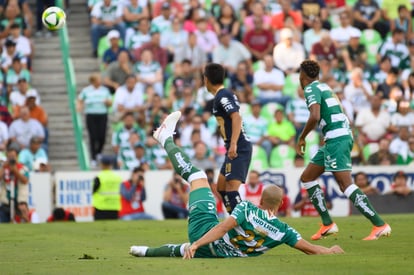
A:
(227, 105)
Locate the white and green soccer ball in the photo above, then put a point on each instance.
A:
(53, 18)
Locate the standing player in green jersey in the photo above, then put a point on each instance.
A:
(249, 231)
(335, 156)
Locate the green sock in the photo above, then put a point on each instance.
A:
(317, 198)
(361, 202)
(180, 161)
(168, 250)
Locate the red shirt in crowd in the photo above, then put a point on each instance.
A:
(258, 40)
(134, 205)
(278, 20)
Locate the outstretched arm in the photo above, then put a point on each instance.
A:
(312, 249)
(214, 234)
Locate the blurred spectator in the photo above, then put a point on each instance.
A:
(361, 180)
(149, 73)
(42, 165)
(354, 53)
(304, 204)
(139, 36)
(391, 81)
(311, 9)
(26, 215)
(206, 39)
(133, 195)
(106, 199)
(174, 205)
(105, 16)
(16, 72)
(61, 215)
(176, 7)
(36, 111)
(17, 12)
(241, 83)
(297, 111)
(201, 157)
(182, 83)
(228, 21)
(18, 97)
(5, 115)
(162, 22)
(285, 209)
(379, 75)
(390, 8)
(23, 44)
(94, 100)
(155, 112)
(133, 12)
(9, 53)
(159, 54)
(216, 8)
(358, 91)
(40, 7)
(407, 157)
(394, 48)
(399, 185)
(141, 156)
(128, 97)
(403, 117)
(191, 51)
(324, 49)
(341, 34)
(372, 123)
(288, 54)
(12, 174)
(270, 82)
(28, 156)
(4, 136)
(367, 15)
(23, 129)
(196, 124)
(157, 155)
(399, 144)
(395, 96)
(403, 21)
(192, 17)
(230, 52)
(313, 35)
(278, 19)
(281, 130)
(111, 54)
(252, 189)
(258, 11)
(259, 41)
(121, 141)
(407, 77)
(383, 155)
(117, 72)
(174, 39)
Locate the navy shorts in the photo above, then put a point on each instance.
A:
(237, 169)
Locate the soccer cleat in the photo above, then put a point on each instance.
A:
(138, 251)
(167, 128)
(378, 231)
(324, 231)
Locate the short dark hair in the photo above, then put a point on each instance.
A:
(138, 169)
(310, 68)
(215, 73)
(397, 31)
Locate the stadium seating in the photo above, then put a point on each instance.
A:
(259, 159)
(268, 111)
(369, 149)
(282, 156)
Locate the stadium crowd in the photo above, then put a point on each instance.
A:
(153, 53)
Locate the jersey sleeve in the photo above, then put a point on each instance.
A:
(239, 213)
(227, 103)
(291, 237)
(312, 96)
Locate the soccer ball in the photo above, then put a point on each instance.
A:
(53, 18)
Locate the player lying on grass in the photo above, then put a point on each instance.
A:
(248, 231)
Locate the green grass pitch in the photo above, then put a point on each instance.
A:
(59, 248)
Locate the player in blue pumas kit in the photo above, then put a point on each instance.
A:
(239, 149)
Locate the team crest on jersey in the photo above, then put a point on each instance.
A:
(227, 105)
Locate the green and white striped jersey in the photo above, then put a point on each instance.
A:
(256, 232)
(333, 121)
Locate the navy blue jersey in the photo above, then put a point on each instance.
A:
(226, 103)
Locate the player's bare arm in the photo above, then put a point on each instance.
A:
(214, 234)
(236, 125)
(314, 117)
(312, 249)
